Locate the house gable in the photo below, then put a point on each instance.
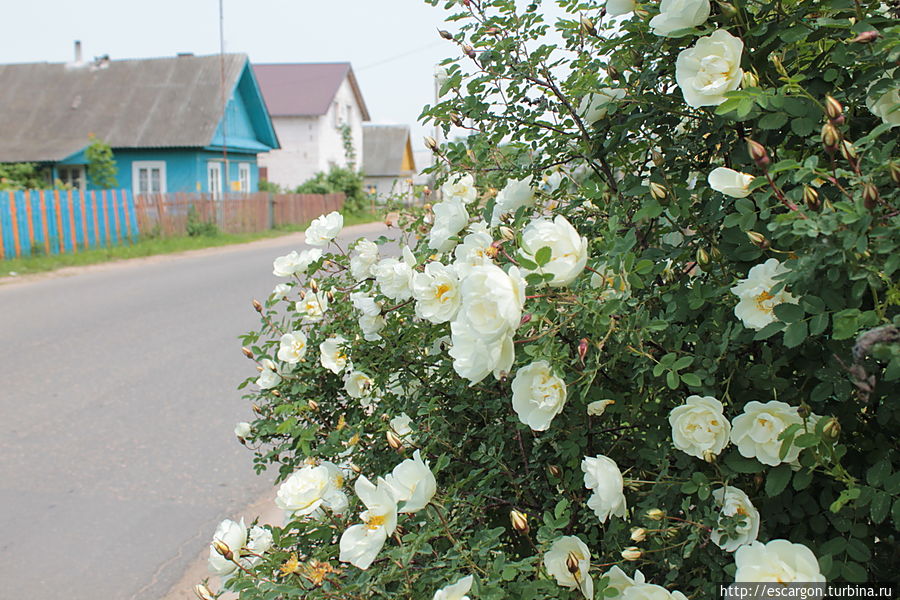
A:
(245, 125)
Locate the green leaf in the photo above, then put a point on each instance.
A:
(672, 380)
(795, 334)
(691, 379)
(806, 440)
(778, 479)
(741, 464)
(854, 572)
(846, 323)
(881, 504)
(818, 324)
(769, 330)
(878, 472)
(789, 312)
(542, 256)
(802, 479)
(773, 121)
(527, 264)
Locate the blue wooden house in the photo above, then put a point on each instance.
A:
(181, 124)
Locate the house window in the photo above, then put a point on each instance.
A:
(214, 179)
(148, 177)
(244, 176)
(348, 112)
(336, 111)
(72, 175)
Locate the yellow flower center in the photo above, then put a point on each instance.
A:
(761, 302)
(441, 290)
(375, 522)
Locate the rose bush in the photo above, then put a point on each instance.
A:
(650, 344)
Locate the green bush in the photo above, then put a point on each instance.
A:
(194, 227)
(663, 357)
(338, 180)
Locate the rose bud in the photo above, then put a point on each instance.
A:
(314, 286)
(702, 257)
(257, 306)
(749, 80)
(894, 169)
(833, 108)
(393, 441)
(658, 191)
(519, 521)
(507, 234)
(223, 549)
(445, 34)
(572, 562)
(468, 51)
(811, 197)
(431, 143)
(865, 37)
(638, 534)
(247, 352)
(582, 348)
(554, 470)
(587, 26)
(870, 195)
(313, 405)
(758, 239)
(655, 514)
(203, 593)
(657, 158)
(758, 153)
(632, 553)
(832, 429)
(831, 137)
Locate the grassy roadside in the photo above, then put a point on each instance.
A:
(151, 247)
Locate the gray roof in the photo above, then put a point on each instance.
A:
(48, 110)
(383, 149)
(305, 89)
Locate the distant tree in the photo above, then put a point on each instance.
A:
(101, 168)
(338, 180)
(19, 176)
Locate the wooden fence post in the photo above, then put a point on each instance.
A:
(45, 226)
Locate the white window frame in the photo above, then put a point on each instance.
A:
(78, 182)
(214, 166)
(245, 174)
(139, 165)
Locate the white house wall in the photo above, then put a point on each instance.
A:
(313, 144)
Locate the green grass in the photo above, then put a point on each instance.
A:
(151, 247)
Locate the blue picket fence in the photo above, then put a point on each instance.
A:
(64, 221)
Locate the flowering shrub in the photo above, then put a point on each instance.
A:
(646, 343)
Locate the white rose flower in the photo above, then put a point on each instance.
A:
(755, 432)
(242, 430)
(360, 544)
(457, 591)
(371, 321)
(394, 277)
(292, 347)
(233, 535)
(313, 306)
(401, 425)
(461, 187)
(268, 377)
(281, 291)
(886, 105)
(363, 258)
(699, 426)
(514, 195)
(333, 354)
(437, 293)
(598, 407)
(538, 395)
(637, 588)
(617, 8)
(568, 250)
(324, 229)
(357, 384)
(473, 251)
(675, 15)
(735, 502)
(709, 69)
(412, 483)
(594, 106)
(259, 542)
(475, 357)
(492, 300)
(293, 263)
(450, 217)
(730, 182)
(556, 562)
(311, 488)
(778, 561)
(602, 475)
(757, 301)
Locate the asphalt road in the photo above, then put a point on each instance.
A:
(118, 401)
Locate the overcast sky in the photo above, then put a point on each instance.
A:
(392, 44)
